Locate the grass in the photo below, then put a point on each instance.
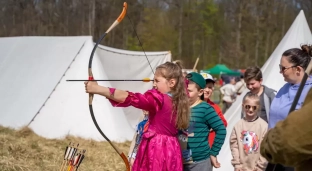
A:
(23, 150)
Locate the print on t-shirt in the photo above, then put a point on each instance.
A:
(250, 141)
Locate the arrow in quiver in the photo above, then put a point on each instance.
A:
(72, 158)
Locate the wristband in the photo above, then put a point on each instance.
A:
(111, 92)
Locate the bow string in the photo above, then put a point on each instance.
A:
(91, 78)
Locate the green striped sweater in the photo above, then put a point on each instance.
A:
(203, 118)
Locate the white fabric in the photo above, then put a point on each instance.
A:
(34, 71)
(299, 33)
(30, 68)
(121, 64)
(228, 90)
(240, 86)
(207, 76)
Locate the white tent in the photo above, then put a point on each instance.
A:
(131, 65)
(34, 91)
(299, 33)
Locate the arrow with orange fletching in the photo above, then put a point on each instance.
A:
(143, 80)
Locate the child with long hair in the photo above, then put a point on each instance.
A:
(247, 136)
(168, 107)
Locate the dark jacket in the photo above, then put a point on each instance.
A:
(289, 142)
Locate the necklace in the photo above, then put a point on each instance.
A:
(252, 119)
(196, 103)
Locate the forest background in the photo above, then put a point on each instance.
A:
(238, 33)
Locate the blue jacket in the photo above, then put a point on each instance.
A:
(282, 102)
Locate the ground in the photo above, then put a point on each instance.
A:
(23, 150)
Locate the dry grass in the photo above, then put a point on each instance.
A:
(23, 150)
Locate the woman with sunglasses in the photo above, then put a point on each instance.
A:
(246, 137)
(292, 66)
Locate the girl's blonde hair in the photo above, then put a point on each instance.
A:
(250, 96)
(173, 70)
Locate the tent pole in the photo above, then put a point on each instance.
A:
(194, 68)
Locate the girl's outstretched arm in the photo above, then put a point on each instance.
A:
(151, 101)
(117, 96)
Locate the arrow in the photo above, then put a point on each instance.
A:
(143, 80)
(81, 157)
(67, 150)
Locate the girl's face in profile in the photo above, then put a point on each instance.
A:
(162, 84)
(250, 107)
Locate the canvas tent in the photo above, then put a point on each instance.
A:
(34, 91)
(221, 69)
(299, 33)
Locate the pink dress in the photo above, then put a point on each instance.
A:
(159, 149)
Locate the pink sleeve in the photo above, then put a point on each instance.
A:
(151, 101)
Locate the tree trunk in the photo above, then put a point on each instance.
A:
(180, 29)
(220, 46)
(267, 39)
(284, 16)
(273, 45)
(238, 34)
(194, 45)
(247, 60)
(257, 41)
(67, 25)
(92, 18)
(220, 55)
(203, 49)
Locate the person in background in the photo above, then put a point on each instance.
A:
(292, 66)
(228, 92)
(253, 79)
(240, 86)
(207, 94)
(246, 137)
(221, 82)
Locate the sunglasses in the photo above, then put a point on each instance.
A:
(247, 107)
(282, 68)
